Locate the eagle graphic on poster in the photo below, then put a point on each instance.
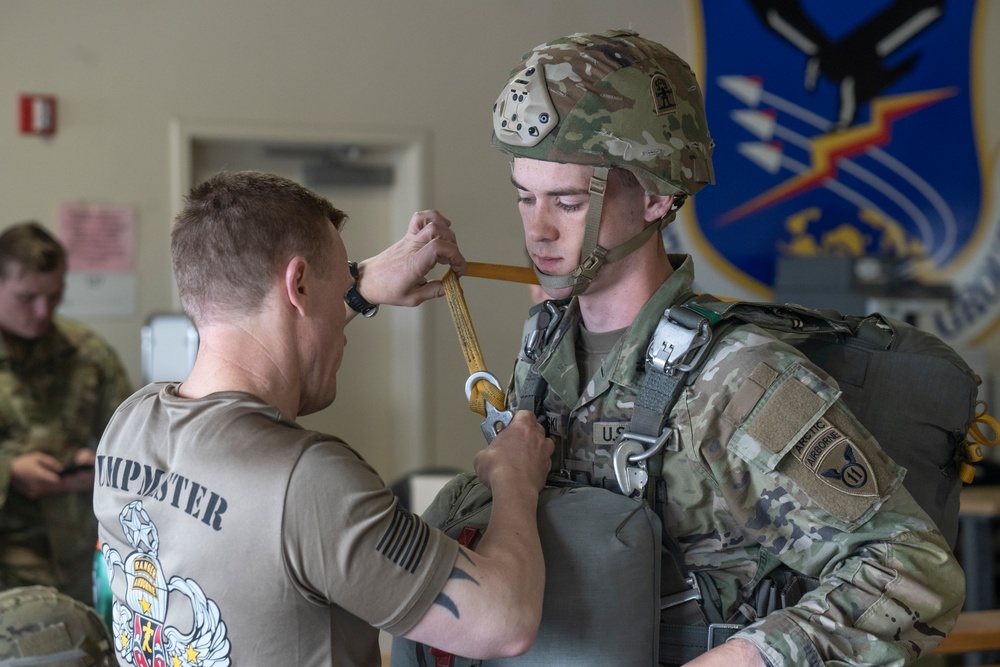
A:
(846, 129)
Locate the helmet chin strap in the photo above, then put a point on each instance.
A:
(593, 256)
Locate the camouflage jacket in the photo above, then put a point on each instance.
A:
(57, 393)
(746, 490)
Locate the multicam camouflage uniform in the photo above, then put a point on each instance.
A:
(765, 448)
(57, 393)
(746, 491)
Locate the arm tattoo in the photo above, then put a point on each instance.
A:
(446, 602)
(459, 573)
(456, 573)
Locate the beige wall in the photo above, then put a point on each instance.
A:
(124, 70)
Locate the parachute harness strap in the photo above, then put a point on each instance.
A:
(976, 440)
(482, 388)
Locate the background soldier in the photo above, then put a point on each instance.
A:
(59, 384)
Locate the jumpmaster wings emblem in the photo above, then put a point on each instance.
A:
(141, 636)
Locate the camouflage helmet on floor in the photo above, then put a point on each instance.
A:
(605, 100)
(41, 626)
(611, 99)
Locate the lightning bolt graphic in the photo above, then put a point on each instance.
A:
(829, 149)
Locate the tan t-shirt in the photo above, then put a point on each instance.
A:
(232, 532)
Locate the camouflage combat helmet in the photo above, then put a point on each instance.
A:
(41, 626)
(612, 99)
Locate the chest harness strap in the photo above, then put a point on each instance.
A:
(690, 620)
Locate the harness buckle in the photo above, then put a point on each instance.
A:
(589, 266)
(684, 596)
(597, 186)
(726, 630)
(675, 347)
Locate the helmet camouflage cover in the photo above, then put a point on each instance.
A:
(37, 621)
(611, 99)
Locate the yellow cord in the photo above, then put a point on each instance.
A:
(976, 440)
(512, 274)
(482, 390)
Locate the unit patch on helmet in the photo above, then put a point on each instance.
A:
(663, 94)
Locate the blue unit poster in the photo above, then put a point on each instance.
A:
(845, 128)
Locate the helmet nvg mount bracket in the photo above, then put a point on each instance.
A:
(608, 100)
(524, 114)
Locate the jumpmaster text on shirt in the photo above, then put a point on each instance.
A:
(180, 491)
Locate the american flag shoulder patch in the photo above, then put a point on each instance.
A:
(405, 540)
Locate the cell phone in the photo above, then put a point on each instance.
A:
(76, 467)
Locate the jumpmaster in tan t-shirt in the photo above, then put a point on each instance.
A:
(230, 532)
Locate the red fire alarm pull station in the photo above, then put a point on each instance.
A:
(38, 114)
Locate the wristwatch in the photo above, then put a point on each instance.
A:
(354, 299)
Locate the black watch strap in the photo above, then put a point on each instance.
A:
(354, 299)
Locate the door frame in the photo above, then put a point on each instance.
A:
(409, 383)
